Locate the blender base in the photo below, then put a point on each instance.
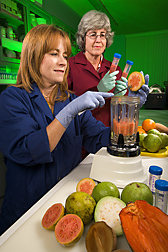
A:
(118, 170)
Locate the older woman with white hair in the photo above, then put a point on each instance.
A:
(89, 70)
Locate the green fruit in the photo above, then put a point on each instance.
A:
(137, 191)
(107, 210)
(164, 138)
(152, 143)
(81, 204)
(141, 138)
(105, 189)
(69, 230)
(154, 131)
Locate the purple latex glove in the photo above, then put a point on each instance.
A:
(143, 92)
(89, 100)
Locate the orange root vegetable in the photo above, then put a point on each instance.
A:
(162, 128)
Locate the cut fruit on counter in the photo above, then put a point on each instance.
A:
(108, 209)
(145, 227)
(52, 216)
(100, 238)
(86, 185)
(69, 230)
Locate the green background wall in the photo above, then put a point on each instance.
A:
(150, 54)
(118, 46)
(148, 51)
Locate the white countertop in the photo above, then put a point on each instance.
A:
(27, 234)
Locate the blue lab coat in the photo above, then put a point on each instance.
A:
(32, 170)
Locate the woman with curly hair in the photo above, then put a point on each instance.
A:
(89, 70)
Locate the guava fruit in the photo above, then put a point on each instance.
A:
(137, 191)
(100, 238)
(107, 210)
(82, 204)
(154, 131)
(152, 143)
(164, 138)
(135, 81)
(69, 230)
(85, 185)
(103, 189)
(52, 216)
(141, 138)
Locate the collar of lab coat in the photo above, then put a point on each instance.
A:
(81, 59)
(40, 101)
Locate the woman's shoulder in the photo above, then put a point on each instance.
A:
(11, 90)
(14, 94)
(78, 58)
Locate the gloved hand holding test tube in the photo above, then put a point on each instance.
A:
(108, 82)
(121, 87)
(115, 62)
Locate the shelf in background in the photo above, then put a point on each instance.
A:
(11, 44)
(6, 82)
(12, 19)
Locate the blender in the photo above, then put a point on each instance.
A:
(120, 162)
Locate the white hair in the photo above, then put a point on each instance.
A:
(93, 20)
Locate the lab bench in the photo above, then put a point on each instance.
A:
(27, 234)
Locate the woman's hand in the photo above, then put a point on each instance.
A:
(142, 92)
(89, 100)
(121, 84)
(108, 82)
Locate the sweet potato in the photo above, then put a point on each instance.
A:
(162, 128)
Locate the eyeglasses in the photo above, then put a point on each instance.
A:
(94, 36)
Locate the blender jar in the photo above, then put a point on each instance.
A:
(124, 125)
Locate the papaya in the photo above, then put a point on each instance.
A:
(135, 81)
(52, 216)
(145, 227)
(69, 230)
(85, 185)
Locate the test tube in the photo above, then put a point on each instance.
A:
(115, 62)
(161, 194)
(127, 68)
(155, 173)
